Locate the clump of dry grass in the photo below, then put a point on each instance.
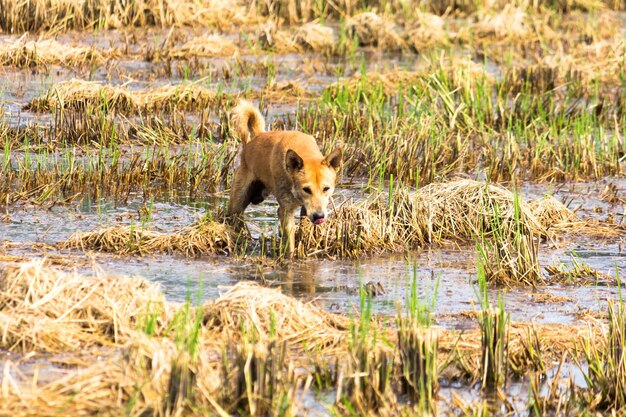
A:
(510, 260)
(205, 46)
(23, 52)
(150, 376)
(47, 310)
(590, 68)
(600, 61)
(504, 226)
(75, 94)
(510, 22)
(179, 363)
(350, 231)
(284, 92)
(205, 237)
(173, 358)
(78, 94)
(279, 41)
(310, 37)
(551, 213)
(557, 218)
(426, 31)
(145, 376)
(373, 30)
(88, 390)
(315, 37)
(463, 209)
(186, 367)
(554, 339)
(262, 312)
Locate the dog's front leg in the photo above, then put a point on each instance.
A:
(287, 228)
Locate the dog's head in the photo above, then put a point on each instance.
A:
(314, 182)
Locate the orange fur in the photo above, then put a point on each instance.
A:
(248, 121)
(288, 165)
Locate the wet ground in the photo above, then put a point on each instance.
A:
(446, 274)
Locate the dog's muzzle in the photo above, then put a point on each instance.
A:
(318, 218)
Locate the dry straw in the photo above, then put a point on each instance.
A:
(284, 92)
(76, 94)
(151, 376)
(586, 64)
(205, 46)
(140, 379)
(592, 68)
(23, 52)
(459, 210)
(315, 37)
(264, 312)
(556, 217)
(47, 310)
(172, 370)
(205, 237)
(554, 339)
(510, 22)
(351, 231)
(373, 30)
(178, 369)
(276, 39)
(312, 36)
(551, 213)
(426, 31)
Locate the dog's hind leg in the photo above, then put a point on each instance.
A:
(240, 197)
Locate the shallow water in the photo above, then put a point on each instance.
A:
(444, 275)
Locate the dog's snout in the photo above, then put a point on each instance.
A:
(318, 218)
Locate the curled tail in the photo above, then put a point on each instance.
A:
(247, 121)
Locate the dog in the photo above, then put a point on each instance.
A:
(286, 164)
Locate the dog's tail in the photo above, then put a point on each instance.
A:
(247, 121)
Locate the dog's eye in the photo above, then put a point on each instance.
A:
(307, 190)
(326, 189)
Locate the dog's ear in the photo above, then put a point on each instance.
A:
(293, 162)
(333, 159)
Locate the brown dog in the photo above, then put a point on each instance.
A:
(287, 164)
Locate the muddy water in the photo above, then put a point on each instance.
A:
(444, 275)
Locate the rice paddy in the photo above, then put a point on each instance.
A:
(472, 262)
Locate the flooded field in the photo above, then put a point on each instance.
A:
(473, 258)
